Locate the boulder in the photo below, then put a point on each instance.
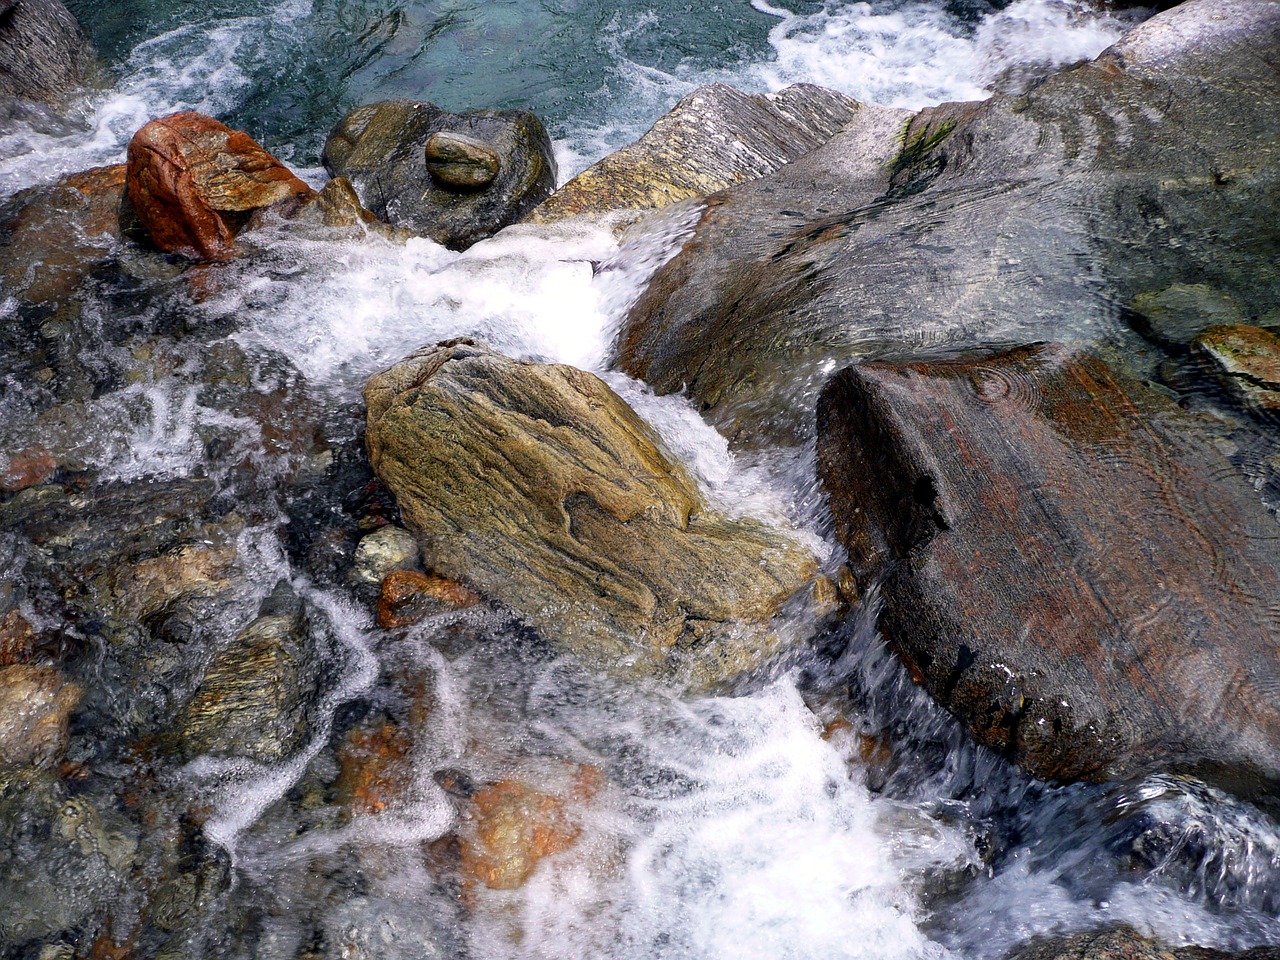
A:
(44, 54)
(715, 137)
(194, 182)
(1246, 361)
(257, 697)
(382, 148)
(1066, 560)
(540, 487)
(1016, 219)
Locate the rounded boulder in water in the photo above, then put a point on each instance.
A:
(406, 161)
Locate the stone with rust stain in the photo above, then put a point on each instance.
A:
(537, 485)
(1066, 560)
(409, 595)
(715, 137)
(26, 469)
(194, 181)
(375, 768)
(1246, 361)
(17, 639)
(461, 161)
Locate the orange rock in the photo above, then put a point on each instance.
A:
(408, 596)
(27, 469)
(194, 181)
(35, 703)
(17, 639)
(510, 827)
(375, 768)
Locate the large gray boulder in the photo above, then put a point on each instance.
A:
(540, 487)
(382, 148)
(1024, 217)
(44, 54)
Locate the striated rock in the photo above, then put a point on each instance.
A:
(540, 487)
(715, 137)
(35, 702)
(1173, 317)
(44, 54)
(974, 226)
(193, 182)
(382, 149)
(1067, 563)
(257, 696)
(380, 553)
(457, 160)
(509, 827)
(1246, 360)
(408, 596)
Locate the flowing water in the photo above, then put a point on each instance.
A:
(827, 809)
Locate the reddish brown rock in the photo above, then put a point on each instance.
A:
(17, 639)
(194, 181)
(408, 596)
(1066, 561)
(511, 826)
(1246, 360)
(27, 469)
(376, 768)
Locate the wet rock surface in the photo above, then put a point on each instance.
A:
(971, 225)
(1246, 361)
(382, 148)
(193, 181)
(1125, 943)
(540, 488)
(44, 55)
(1067, 562)
(715, 137)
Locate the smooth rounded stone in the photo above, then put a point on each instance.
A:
(35, 703)
(194, 181)
(1246, 361)
(1174, 317)
(257, 697)
(1125, 943)
(715, 137)
(461, 161)
(1017, 219)
(381, 149)
(380, 553)
(44, 55)
(1066, 561)
(537, 485)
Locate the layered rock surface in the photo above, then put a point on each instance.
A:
(44, 54)
(1015, 219)
(715, 137)
(1066, 561)
(541, 488)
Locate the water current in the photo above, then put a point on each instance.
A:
(736, 826)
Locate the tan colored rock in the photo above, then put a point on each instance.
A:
(409, 595)
(461, 161)
(715, 137)
(193, 182)
(190, 570)
(540, 487)
(35, 703)
(1246, 360)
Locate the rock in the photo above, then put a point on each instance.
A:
(1246, 360)
(35, 702)
(541, 488)
(509, 827)
(457, 160)
(1125, 943)
(1067, 562)
(381, 149)
(54, 236)
(256, 698)
(17, 639)
(337, 208)
(375, 769)
(363, 928)
(44, 54)
(380, 553)
(1175, 316)
(715, 137)
(193, 182)
(26, 469)
(974, 227)
(408, 596)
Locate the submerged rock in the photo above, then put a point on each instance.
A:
(35, 702)
(540, 487)
(385, 550)
(44, 54)
(1246, 360)
(1173, 317)
(194, 181)
(408, 596)
(715, 137)
(1016, 219)
(1067, 563)
(382, 148)
(1125, 943)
